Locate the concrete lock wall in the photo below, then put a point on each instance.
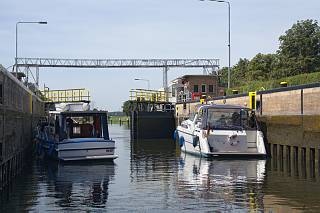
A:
(20, 110)
(311, 98)
(295, 139)
(282, 103)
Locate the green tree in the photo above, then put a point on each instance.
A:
(239, 71)
(126, 107)
(223, 77)
(261, 67)
(299, 49)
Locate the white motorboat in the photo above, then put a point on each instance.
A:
(76, 135)
(221, 131)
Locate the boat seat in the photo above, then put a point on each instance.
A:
(86, 130)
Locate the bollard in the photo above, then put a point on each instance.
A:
(283, 84)
(234, 91)
(253, 101)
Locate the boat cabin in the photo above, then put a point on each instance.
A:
(82, 124)
(224, 117)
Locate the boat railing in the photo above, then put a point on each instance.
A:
(143, 95)
(66, 96)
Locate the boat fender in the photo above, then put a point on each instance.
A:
(175, 135)
(195, 141)
(181, 141)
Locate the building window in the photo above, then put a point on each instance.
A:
(211, 88)
(203, 88)
(173, 92)
(195, 88)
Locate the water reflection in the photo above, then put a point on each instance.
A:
(153, 176)
(293, 188)
(79, 184)
(235, 184)
(186, 182)
(153, 159)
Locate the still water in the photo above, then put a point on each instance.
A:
(153, 176)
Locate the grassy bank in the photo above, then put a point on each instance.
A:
(116, 119)
(265, 85)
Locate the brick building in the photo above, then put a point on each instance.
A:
(192, 87)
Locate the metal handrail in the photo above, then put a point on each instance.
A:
(67, 95)
(148, 95)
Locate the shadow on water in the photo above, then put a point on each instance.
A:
(13, 197)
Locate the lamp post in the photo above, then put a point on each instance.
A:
(142, 79)
(229, 37)
(23, 22)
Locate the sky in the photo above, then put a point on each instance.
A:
(146, 29)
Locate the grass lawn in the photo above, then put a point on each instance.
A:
(116, 119)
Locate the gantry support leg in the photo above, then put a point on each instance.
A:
(165, 82)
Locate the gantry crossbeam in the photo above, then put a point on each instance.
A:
(117, 63)
(166, 64)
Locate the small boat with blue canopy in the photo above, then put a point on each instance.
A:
(76, 135)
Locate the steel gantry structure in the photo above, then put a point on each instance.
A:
(165, 64)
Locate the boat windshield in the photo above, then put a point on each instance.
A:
(88, 126)
(192, 116)
(230, 119)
